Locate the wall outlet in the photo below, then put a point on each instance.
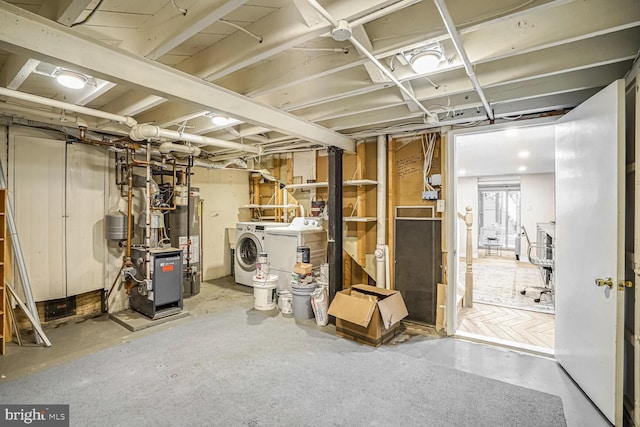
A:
(440, 205)
(430, 195)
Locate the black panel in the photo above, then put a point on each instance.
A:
(58, 308)
(418, 266)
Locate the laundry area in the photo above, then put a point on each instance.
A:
(238, 208)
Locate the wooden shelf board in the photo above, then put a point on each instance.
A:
(359, 219)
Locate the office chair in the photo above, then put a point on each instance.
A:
(545, 264)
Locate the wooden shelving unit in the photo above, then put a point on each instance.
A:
(5, 333)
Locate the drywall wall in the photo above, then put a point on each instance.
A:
(467, 196)
(223, 192)
(537, 203)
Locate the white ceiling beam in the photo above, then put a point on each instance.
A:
(374, 72)
(26, 33)
(16, 70)
(538, 29)
(609, 48)
(68, 11)
(235, 52)
(310, 16)
(160, 39)
(281, 31)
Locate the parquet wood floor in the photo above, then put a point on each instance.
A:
(526, 327)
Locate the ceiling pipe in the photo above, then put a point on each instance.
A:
(138, 132)
(144, 132)
(126, 120)
(343, 28)
(55, 118)
(169, 147)
(455, 37)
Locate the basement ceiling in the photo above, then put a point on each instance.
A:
(275, 68)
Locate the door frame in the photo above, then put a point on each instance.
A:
(452, 225)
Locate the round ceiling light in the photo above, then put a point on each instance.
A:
(426, 61)
(220, 120)
(71, 79)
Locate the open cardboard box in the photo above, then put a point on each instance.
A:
(368, 314)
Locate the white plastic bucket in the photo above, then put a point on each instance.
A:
(285, 302)
(264, 292)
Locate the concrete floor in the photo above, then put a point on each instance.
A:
(76, 339)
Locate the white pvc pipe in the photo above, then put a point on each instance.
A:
(145, 131)
(381, 214)
(455, 37)
(169, 147)
(129, 121)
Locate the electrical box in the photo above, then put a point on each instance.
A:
(430, 195)
(435, 179)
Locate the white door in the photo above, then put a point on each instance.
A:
(86, 172)
(589, 235)
(38, 190)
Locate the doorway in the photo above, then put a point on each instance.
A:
(507, 177)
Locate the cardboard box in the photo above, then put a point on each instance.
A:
(303, 268)
(368, 314)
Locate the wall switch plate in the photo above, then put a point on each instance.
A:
(440, 205)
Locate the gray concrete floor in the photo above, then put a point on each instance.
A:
(74, 340)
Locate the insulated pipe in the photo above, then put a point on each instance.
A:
(129, 121)
(455, 37)
(322, 11)
(168, 147)
(145, 131)
(381, 208)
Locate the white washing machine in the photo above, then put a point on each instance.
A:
(249, 243)
(281, 245)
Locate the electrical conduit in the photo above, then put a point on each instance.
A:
(381, 207)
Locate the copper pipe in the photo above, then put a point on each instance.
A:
(129, 214)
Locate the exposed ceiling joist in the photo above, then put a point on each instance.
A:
(24, 32)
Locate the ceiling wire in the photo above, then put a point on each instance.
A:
(183, 11)
(238, 27)
(95, 9)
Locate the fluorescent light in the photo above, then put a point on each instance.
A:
(462, 172)
(524, 154)
(522, 168)
(71, 79)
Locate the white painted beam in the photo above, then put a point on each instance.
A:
(16, 70)
(69, 11)
(26, 33)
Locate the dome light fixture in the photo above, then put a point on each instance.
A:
(426, 59)
(71, 79)
(219, 119)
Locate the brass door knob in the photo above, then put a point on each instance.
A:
(625, 284)
(605, 282)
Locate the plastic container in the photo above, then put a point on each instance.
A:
(264, 292)
(285, 302)
(302, 309)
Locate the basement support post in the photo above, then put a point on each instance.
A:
(334, 247)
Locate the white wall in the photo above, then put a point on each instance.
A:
(537, 203)
(467, 196)
(223, 192)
